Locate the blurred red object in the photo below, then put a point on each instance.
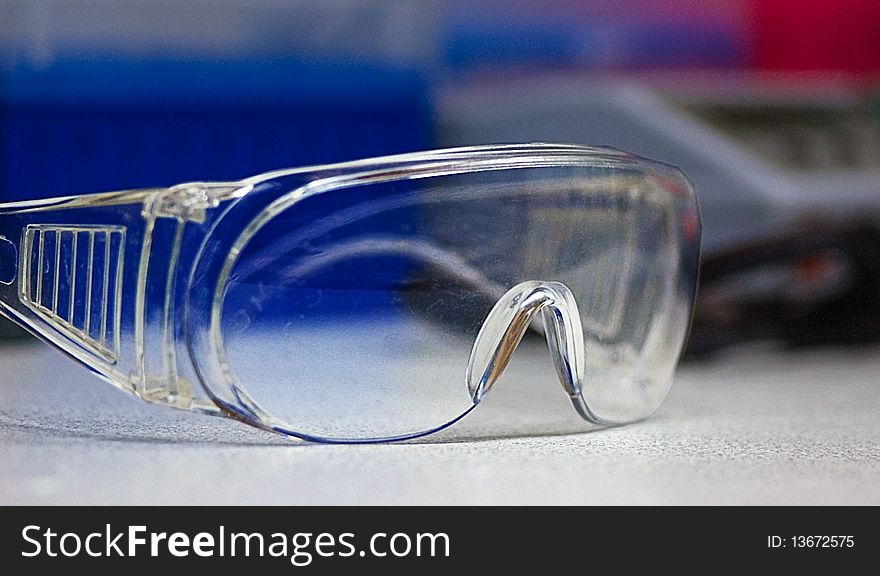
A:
(841, 35)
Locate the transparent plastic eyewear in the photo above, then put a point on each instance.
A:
(372, 300)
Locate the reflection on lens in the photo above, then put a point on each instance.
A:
(351, 314)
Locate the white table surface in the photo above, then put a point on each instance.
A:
(750, 428)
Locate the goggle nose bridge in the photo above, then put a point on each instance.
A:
(506, 324)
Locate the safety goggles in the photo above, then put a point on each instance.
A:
(374, 300)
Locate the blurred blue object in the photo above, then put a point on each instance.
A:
(616, 45)
(590, 34)
(99, 95)
(87, 125)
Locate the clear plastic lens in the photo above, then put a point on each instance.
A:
(378, 299)
(351, 314)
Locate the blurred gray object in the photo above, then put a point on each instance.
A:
(39, 31)
(762, 152)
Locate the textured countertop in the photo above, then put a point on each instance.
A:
(750, 428)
